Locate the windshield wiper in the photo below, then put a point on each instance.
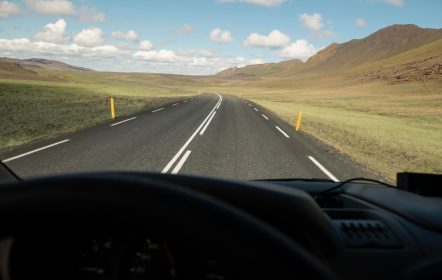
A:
(341, 184)
(295, 179)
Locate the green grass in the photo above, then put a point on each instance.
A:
(36, 110)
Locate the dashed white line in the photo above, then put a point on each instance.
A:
(114, 124)
(208, 122)
(181, 162)
(282, 131)
(157, 110)
(175, 104)
(180, 151)
(264, 116)
(323, 169)
(185, 101)
(256, 109)
(34, 151)
(250, 105)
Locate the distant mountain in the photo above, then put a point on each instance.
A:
(39, 63)
(258, 70)
(382, 45)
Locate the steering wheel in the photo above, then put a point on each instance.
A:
(121, 202)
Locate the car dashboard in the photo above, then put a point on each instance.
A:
(361, 231)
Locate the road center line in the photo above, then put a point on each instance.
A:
(114, 124)
(175, 104)
(181, 162)
(264, 116)
(208, 122)
(323, 169)
(256, 109)
(282, 131)
(157, 110)
(36, 150)
(180, 151)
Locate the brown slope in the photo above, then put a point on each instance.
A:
(386, 42)
(259, 70)
(34, 63)
(11, 69)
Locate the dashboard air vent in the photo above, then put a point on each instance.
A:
(366, 234)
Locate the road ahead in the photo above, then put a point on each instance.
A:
(211, 135)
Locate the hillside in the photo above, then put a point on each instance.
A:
(34, 63)
(386, 43)
(257, 70)
(34, 68)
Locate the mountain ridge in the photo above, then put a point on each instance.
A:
(385, 43)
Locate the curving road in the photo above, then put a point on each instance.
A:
(211, 135)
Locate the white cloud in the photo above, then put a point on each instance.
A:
(257, 2)
(145, 45)
(197, 53)
(312, 22)
(360, 22)
(128, 36)
(394, 2)
(90, 37)
(8, 9)
(53, 32)
(108, 57)
(91, 15)
(103, 51)
(256, 61)
(158, 56)
(185, 29)
(275, 39)
(51, 7)
(300, 49)
(220, 36)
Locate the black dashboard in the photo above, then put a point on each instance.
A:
(361, 231)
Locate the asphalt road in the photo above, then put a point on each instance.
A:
(210, 135)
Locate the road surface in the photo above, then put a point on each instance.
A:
(211, 134)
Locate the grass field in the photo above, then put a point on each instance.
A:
(36, 110)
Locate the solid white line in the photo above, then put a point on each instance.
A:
(36, 150)
(219, 104)
(207, 123)
(175, 104)
(282, 131)
(323, 169)
(264, 116)
(157, 110)
(256, 109)
(180, 151)
(181, 162)
(114, 124)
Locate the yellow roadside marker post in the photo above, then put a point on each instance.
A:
(298, 123)
(112, 107)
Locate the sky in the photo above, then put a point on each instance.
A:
(194, 37)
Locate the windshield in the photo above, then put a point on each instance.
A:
(246, 89)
